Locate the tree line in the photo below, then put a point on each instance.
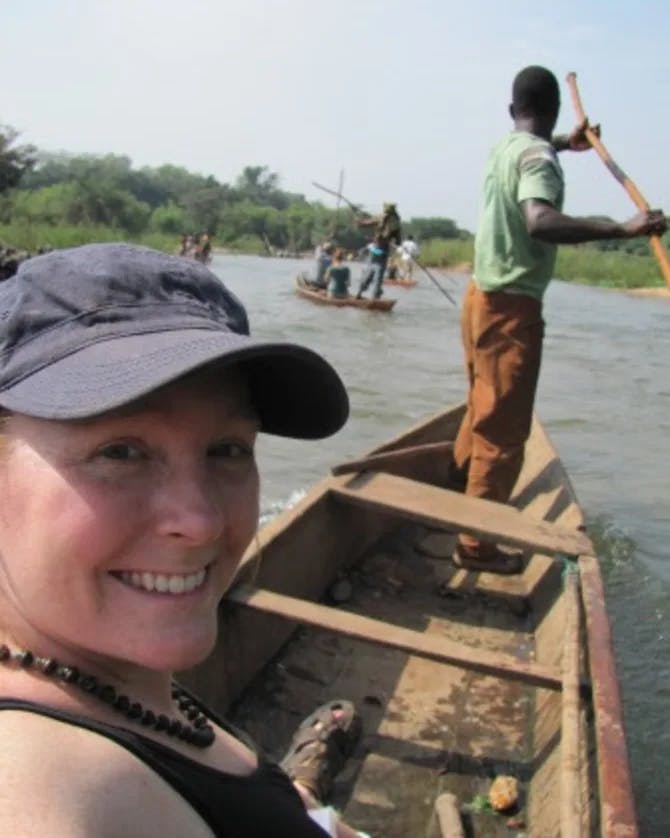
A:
(105, 195)
(62, 189)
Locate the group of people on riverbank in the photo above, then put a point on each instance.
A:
(12, 257)
(196, 246)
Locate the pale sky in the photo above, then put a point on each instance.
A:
(405, 97)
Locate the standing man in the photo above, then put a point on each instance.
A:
(409, 250)
(520, 223)
(387, 234)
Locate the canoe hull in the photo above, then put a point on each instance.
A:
(321, 298)
(401, 283)
(429, 726)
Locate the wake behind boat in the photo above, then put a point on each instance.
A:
(303, 289)
(458, 676)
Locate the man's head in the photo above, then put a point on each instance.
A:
(389, 207)
(535, 95)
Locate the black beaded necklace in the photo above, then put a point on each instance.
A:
(198, 733)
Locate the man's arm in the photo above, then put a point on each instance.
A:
(367, 222)
(546, 223)
(577, 140)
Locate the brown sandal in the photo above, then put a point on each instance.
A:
(506, 564)
(321, 745)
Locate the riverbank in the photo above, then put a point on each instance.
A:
(464, 269)
(636, 275)
(663, 293)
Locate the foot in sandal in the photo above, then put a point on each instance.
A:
(491, 561)
(321, 745)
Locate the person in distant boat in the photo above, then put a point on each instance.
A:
(204, 251)
(323, 262)
(387, 235)
(520, 223)
(408, 251)
(187, 245)
(338, 276)
(393, 265)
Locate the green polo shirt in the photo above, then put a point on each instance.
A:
(521, 167)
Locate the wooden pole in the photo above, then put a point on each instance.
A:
(449, 816)
(571, 809)
(389, 459)
(433, 280)
(655, 242)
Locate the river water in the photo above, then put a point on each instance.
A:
(604, 398)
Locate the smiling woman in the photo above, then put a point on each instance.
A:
(132, 395)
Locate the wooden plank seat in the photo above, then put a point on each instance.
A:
(436, 507)
(396, 637)
(393, 459)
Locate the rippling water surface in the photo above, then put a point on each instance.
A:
(604, 398)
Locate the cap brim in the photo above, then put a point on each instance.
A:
(295, 391)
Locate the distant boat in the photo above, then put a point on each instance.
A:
(205, 258)
(302, 289)
(401, 283)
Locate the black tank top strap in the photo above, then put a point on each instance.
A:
(233, 806)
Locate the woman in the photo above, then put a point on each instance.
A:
(338, 276)
(131, 397)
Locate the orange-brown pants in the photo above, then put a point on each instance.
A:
(502, 339)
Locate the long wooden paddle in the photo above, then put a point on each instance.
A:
(354, 208)
(655, 241)
(337, 207)
(357, 211)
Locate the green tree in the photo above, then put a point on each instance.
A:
(15, 160)
(169, 218)
(261, 186)
(49, 205)
(432, 228)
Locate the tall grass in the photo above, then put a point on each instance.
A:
(32, 237)
(611, 269)
(247, 244)
(444, 253)
(586, 265)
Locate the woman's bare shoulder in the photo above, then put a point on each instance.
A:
(57, 779)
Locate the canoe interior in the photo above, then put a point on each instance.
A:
(428, 727)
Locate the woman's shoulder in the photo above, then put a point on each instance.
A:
(58, 779)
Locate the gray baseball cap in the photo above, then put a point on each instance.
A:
(86, 330)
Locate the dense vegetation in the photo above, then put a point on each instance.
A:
(587, 264)
(61, 200)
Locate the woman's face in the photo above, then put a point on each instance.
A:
(119, 535)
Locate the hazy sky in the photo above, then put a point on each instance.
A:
(406, 97)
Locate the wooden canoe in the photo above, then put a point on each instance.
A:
(458, 676)
(401, 283)
(321, 298)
